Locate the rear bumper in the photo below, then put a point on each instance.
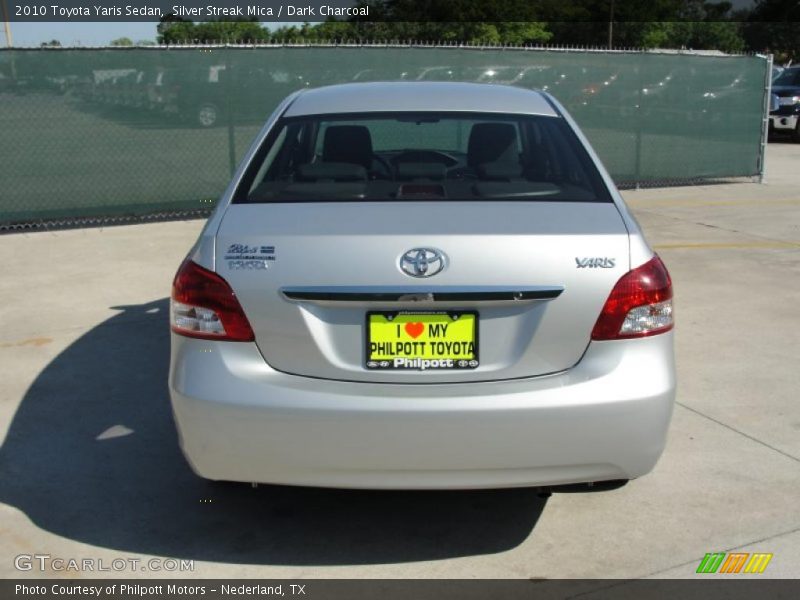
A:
(240, 420)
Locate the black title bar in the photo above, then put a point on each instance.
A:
(190, 10)
(744, 588)
(315, 11)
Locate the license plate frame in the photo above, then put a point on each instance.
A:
(435, 361)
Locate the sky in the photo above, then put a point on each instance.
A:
(75, 34)
(83, 34)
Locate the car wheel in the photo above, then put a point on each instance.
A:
(207, 115)
(796, 132)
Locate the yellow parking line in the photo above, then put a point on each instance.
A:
(40, 341)
(731, 245)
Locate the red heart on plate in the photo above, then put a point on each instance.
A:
(415, 329)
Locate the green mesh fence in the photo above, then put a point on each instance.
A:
(134, 132)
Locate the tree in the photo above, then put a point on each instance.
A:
(51, 44)
(420, 31)
(123, 41)
(175, 30)
(707, 35)
(725, 36)
(232, 32)
(655, 23)
(696, 24)
(293, 34)
(530, 32)
(464, 21)
(772, 28)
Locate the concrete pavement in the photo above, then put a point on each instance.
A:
(89, 466)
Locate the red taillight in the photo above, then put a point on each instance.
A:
(204, 306)
(639, 305)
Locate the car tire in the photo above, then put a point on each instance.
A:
(207, 115)
(796, 133)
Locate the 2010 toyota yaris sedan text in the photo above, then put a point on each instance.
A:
(422, 285)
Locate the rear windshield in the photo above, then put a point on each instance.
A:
(421, 156)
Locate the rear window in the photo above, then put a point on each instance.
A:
(421, 156)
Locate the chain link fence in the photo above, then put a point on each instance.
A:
(103, 135)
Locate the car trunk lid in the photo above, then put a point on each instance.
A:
(535, 274)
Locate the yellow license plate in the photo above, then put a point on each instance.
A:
(422, 340)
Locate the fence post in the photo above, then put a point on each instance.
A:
(762, 153)
(229, 111)
(638, 120)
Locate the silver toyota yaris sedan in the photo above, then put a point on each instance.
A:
(421, 285)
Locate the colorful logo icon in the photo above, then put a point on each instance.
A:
(736, 562)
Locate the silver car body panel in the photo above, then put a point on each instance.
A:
(493, 244)
(546, 407)
(640, 251)
(424, 96)
(239, 419)
(203, 250)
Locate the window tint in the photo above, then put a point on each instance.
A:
(421, 156)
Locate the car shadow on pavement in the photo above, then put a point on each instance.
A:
(92, 455)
